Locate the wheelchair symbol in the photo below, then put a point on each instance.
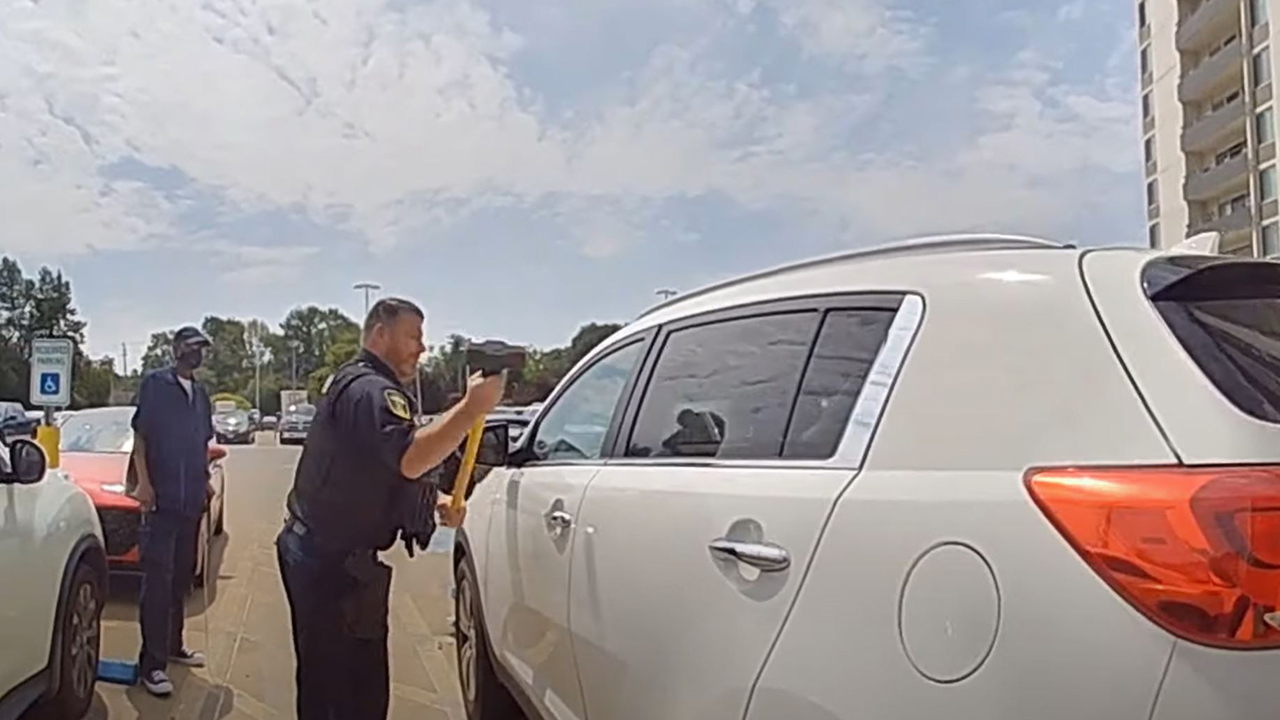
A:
(50, 383)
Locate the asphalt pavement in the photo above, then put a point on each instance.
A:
(251, 666)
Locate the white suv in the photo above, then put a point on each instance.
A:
(981, 477)
(53, 575)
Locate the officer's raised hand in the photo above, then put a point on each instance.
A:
(432, 443)
(486, 391)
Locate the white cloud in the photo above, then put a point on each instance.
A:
(392, 122)
(251, 265)
(1072, 11)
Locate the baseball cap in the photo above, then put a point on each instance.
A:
(191, 335)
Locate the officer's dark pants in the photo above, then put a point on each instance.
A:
(167, 544)
(339, 631)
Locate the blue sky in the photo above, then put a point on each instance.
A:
(523, 167)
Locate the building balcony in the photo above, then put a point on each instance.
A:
(1215, 74)
(1207, 23)
(1212, 130)
(1237, 221)
(1219, 180)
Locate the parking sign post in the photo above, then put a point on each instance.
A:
(51, 360)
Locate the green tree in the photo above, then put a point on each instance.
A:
(29, 308)
(52, 311)
(159, 352)
(312, 331)
(587, 338)
(228, 364)
(344, 346)
(93, 383)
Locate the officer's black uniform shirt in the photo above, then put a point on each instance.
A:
(348, 489)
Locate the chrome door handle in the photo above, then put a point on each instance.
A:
(767, 557)
(558, 521)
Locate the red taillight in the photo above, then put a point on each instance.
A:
(1197, 550)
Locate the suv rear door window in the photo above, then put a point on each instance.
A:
(842, 358)
(1226, 315)
(725, 389)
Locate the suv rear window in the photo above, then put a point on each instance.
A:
(1226, 315)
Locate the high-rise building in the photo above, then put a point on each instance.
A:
(1208, 122)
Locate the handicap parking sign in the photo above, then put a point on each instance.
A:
(50, 383)
(51, 361)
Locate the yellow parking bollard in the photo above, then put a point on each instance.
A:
(49, 437)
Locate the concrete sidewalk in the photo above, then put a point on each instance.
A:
(251, 665)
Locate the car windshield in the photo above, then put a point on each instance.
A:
(232, 416)
(98, 431)
(306, 411)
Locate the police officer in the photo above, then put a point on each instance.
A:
(362, 461)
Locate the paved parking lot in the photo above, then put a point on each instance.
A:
(250, 673)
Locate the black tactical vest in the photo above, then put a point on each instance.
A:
(349, 503)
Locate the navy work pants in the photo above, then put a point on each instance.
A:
(168, 546)
(339, 630)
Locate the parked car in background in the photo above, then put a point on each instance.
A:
(515, 420)
(54, 573)
(232, 427)
(296, 423)
(14, 421)
(255, 419)
(270, 422)
(963, 477)
(96, 451)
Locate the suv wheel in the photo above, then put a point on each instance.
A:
(81, 642)
(483, 694)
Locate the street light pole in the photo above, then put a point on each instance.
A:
(293, 383)
(367, 287)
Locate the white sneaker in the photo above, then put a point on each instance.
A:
(189, 658)
(157, 683)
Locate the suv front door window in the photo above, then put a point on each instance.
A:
(576, 425)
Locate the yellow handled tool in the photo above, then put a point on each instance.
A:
(462, 483)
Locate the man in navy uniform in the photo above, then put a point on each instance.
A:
(172, 427)
(362, 460)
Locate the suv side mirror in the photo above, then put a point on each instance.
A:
(27, 462)
(495, 445)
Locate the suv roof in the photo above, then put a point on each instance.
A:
(921, 246)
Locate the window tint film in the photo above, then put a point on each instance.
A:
(846, 349)
(574, 428)
(1226, 315)
(725, 390)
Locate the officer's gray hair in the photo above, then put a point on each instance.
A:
(387, 311)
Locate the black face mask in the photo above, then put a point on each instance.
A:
(191, 358)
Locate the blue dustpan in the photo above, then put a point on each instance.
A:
(118, 672)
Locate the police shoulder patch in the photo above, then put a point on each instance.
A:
(398, 404)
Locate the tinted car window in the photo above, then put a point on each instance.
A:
(725, 389)
(846, 348)
(574, 428)
(1226, 315)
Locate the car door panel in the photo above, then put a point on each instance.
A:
(528, 620)
(664, 627)
(533, 529)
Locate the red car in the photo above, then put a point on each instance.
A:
(95, 450)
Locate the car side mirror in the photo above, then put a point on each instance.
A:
(495, 445)
(27, 462)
